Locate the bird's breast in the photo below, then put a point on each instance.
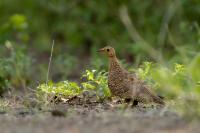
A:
(115, 83)
(115, 78)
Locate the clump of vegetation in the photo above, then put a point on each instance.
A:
(95, 82)
(53, 91)
(64, 88)
(179, 84)
(171, 82)
(14, 68)
(4, 105)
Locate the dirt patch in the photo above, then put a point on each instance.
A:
(77, 114)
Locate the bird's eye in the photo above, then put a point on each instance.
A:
(108, 50)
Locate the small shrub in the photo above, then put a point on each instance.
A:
(4, 105)
(15, 28)
(15, 68)
(64, 88)
(178, 84)
(96, 81)
(49, 92)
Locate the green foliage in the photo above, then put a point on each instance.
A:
(16, 27)
(178, 84)
(49, 92)
(14, 69)
(18, 22)
(144, 71)
(4, 84)
(79, 24)
(170, 82)
(96, 81)
(4, 105)
(64, 88)
(194, 68)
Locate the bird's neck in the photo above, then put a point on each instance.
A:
(114, 64)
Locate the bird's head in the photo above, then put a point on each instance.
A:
(108, 50)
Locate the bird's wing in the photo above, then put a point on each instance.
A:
(141, 91)
(128, 84)
(130, 76)
(146, 94)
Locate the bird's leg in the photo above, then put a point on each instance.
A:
(131, 101)
(127, 100)
(126, 103)
(135, 103)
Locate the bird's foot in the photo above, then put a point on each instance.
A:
(127, 100)
(135, 103)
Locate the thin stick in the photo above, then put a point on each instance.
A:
(50, 59)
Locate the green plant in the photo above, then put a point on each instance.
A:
(16, 27)
(47, 92)
(96, 81)
(169, 82)
(14, 68)
(64, 88)
(144, 71)
(4, 105)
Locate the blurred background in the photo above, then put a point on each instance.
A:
(165, 32)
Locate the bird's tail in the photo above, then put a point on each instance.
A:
(153, 98)
(158, 100)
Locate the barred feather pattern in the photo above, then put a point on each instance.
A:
(126, 85)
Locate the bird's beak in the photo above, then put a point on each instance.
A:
(101, 50)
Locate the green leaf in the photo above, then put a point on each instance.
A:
(194, 68)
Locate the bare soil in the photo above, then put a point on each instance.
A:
(76, 116)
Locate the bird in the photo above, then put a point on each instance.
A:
(127, 85)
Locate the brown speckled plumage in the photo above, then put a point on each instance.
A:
(124, 84)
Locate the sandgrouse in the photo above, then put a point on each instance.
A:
(124, 84)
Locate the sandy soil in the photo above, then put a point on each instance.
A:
(94, 118)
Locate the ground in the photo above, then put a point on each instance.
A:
(90, 117)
